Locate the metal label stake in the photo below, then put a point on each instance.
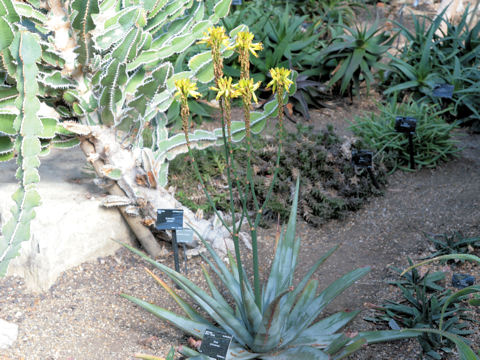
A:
(411, 150)
(171, 219)
(407, 125)
(184, 237)
(364, 159)
(175, 250)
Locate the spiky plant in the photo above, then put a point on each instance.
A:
(273, 320)
(102, 70)
(284, 324)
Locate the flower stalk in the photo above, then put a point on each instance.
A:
(214, 38)
(226, 91)
(245, 46)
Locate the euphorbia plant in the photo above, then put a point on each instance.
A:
(102, 69)
(273, 320)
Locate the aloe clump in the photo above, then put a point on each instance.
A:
(273, 319)
(284, 324)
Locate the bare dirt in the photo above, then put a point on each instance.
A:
(83, 317)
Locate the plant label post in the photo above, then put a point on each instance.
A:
(184, 236)
(407, 125)
(171, 219)
(363, 159)
(215, 344)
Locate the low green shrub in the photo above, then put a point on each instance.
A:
(446, 244)
(423, 307)
(330, 185)
(432, 141)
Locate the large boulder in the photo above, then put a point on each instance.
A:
(70, 227)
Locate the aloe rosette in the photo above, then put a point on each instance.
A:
(284, 325)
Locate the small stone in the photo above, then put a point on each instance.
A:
(8, 334)
(461, 281)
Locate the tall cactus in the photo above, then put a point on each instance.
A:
(103, 64)
(25, 50)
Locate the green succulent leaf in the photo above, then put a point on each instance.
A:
(6, 125)
(7, 34)
(6, 145)
(83, 23)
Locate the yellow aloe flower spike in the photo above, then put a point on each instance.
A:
(226, 89)
(247, 87)
(186, 88)
(245, 42)
(214, 37)
(279, 79)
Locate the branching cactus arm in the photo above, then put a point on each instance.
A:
(101, 63)
(26, 51)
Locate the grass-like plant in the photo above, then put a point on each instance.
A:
(437, 52)
(432, 140)
(273, 320)
(465, 351)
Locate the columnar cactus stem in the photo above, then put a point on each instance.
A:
(26, 51)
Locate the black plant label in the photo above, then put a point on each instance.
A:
(215, 344)
(169, 219)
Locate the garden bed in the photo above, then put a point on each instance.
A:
(83, 317)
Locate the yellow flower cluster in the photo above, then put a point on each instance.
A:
(245, 42)
(279, 79)
(226, 89)
(215, 37)
(186, 88)
(247, 87)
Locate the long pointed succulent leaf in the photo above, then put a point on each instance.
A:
(298, 353)
(465, 352)
(283, 264)
(192, 327)
(209, 304)
(327, 326)
(310, 312)
(191, 313)
(350, 349)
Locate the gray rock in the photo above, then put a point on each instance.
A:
(71, 226)
(8, 334)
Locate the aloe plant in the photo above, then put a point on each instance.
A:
(283, 325)
(355, 53)
(273, 320)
